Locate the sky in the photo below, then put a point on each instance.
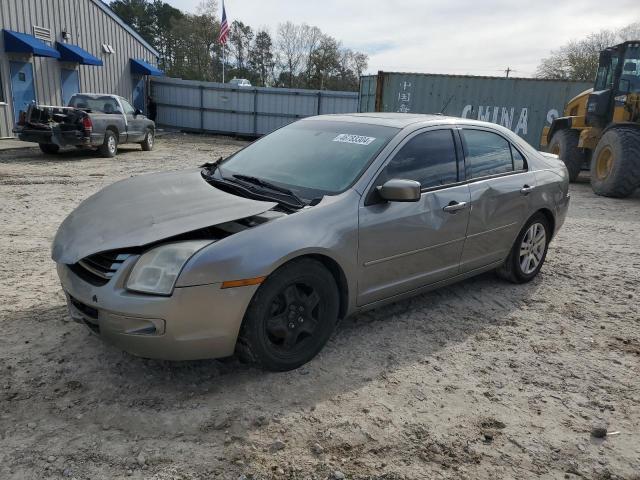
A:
(475, 37)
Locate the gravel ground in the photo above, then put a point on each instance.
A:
(480, 380)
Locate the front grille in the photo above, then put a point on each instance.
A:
(98, 269)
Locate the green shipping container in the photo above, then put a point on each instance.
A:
(524, 105)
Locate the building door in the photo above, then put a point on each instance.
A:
(70, 82)
(23, 92)
(138, 93)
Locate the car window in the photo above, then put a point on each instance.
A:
(486, 153)
(519, 163)
(95, 104)
(428, 158)
(128, 109)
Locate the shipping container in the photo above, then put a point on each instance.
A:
(524, 105)
(249, 111)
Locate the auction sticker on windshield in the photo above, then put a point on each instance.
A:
(357, 139)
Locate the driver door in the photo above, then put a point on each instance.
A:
(404, 246)
(135, 123)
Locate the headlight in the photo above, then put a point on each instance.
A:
(157, 270)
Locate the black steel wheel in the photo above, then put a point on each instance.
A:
(291, 316)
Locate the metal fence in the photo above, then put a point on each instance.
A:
(248, 111)
(524, 105)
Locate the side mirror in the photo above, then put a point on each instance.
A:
(137, 112)
(399, 190)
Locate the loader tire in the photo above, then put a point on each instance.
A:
(564, 143)
(615, 164)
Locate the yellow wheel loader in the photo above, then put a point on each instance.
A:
(601, 126)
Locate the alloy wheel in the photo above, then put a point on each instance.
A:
(532, 248)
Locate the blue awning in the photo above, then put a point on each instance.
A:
(143, 68)
(18, 42)
(73, 53)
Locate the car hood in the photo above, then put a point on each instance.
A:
(146, 209)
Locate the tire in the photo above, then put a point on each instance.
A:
(109, 147)
(291, 317)
(49, 148)
(515, 268)
(615, 165)
(149, 140)
(564, 143)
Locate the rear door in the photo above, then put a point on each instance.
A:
(404, 246)
(499, 185)
(23, 91)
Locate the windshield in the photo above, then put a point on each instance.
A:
(630, 78)
(96, 104)
(311, 157)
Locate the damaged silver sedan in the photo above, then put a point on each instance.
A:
(263, 252)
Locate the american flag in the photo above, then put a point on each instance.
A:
(224, 27)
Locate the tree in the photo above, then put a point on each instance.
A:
(578, 59)
(290, 47)
(240, 39)
(261, 58)
(138, 14)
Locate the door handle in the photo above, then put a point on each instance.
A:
(454, 206)
(526, 189)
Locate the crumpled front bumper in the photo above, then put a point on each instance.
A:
(193, 323)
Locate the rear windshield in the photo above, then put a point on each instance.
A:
(95, 104)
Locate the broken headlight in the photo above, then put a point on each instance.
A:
(157, 270)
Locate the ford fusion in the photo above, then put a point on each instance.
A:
(263, 252)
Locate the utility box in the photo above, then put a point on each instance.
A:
(523, 105)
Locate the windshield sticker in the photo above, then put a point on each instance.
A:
(357, 139)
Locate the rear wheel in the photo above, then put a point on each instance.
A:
(49, 148)
(291, 316)
(109, 147)
(564, 143)
(615, 165)
(149, 139)
(528, 252)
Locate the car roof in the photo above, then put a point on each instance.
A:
(412, 120)
(387, 119)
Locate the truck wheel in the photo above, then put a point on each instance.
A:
(149, 138)
(564, 143)
(49, 148)
(615, 166)
(109, 147)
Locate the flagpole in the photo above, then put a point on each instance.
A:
(223, 45)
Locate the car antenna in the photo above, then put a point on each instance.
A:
(446, 104)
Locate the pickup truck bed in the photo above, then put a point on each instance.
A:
(80, 125)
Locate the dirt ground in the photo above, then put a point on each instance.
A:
(481, 380)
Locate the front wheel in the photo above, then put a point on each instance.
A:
(49, 148)
(109, 147)
(528, 252)
(615, 165)
(291, 316)
(149, 138)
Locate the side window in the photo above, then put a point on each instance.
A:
(519, 163)
(486, 153)
(428, 158)
(128, 109)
